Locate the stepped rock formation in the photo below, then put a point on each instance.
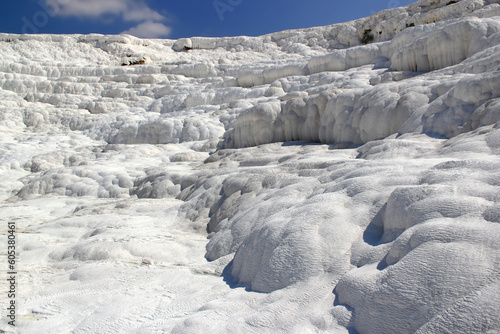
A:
(333, 179)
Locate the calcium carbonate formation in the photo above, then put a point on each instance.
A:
(333, 179)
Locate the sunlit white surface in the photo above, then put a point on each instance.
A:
(297, 182)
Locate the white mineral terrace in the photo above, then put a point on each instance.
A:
(337, 179)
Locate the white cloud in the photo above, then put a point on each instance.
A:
(128, 10)
(149, 29)
(141, 13)
(147, 19)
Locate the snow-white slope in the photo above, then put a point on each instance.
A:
(334, 179)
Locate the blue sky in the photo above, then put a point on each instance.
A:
(180, 18)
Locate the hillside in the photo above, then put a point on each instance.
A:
(336, 179)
